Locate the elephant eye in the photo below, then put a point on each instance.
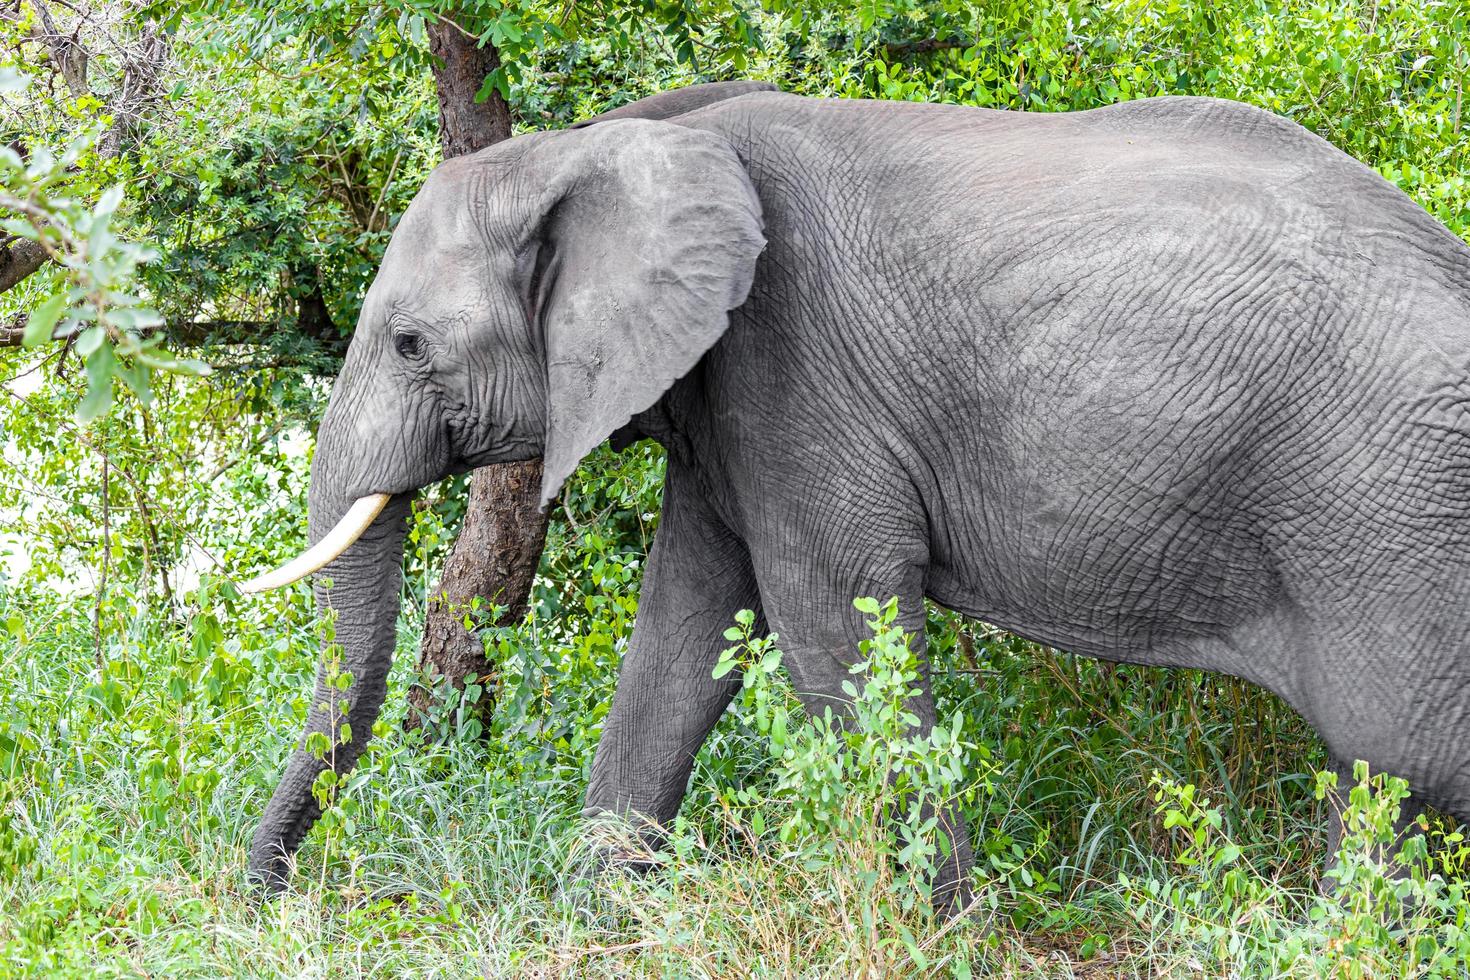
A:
(409, 345)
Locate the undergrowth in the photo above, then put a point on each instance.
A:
(806, 848)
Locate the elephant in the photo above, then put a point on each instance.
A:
(1171, 382)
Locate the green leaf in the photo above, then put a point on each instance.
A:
(108, 202)
(189, 365)
(97, 401)
(135, 376)
(99, 384)
(134, 318)
(43, 320)
(90, 341)
(491, 84)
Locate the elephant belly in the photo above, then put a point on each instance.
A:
(1139, 579)
(1122, 519)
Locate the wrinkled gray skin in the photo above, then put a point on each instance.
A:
(1173, 382)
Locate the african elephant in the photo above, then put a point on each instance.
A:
(1173, 382)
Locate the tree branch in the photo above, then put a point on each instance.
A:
(140, 85)
(928, 45)
(66, 51)
(180, 333)
(19, 258)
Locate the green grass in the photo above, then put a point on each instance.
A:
(128, 806)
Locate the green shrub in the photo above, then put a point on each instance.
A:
(1380, 912)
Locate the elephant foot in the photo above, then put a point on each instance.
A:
(268, 876)
(953, 895)
(609, 846)
(624, 839)
(617, 842)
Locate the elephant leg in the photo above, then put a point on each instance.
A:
(820, 631)
(667, 702)
(1338, 802)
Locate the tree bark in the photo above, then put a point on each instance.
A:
(460, 68)
(19, 258)
(499, 546)
(494, 559)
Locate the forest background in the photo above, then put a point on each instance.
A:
(196, 196)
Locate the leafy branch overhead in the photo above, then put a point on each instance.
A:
(103, 69)
(715, 36)
(95, 310)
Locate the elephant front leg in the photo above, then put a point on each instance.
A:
(667, 700)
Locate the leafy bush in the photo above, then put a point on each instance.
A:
(1380, 911)
(846, 782)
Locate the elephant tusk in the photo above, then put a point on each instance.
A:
(359, 518)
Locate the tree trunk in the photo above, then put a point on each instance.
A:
(19, 257)
(460, 68)
(499, 545)
(494, 559)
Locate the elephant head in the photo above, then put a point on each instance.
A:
(534, 297)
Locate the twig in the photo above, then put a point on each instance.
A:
(576, 954)
(30, 370)
(378, 204)
(1459, 86)
(106, 562)
(928, 45)
(245, 454)
(448, 21)
(566, 508)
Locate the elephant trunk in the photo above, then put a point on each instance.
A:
(364, 596)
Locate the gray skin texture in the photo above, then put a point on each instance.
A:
(1173, 382)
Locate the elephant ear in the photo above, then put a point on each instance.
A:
(649, 237)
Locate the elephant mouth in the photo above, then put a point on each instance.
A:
(358, 519)
(365, 510)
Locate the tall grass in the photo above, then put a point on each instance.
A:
(128, 802)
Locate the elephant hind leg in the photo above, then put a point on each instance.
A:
(820, 632)
(1338, 801)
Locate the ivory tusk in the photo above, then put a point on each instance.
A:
(359, 518)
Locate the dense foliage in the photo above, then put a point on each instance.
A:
(1139, 821)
